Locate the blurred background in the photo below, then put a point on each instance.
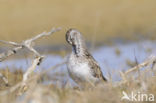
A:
(119, 33)
(99, 20)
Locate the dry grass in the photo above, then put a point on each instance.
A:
(106, 19)
(110, 92)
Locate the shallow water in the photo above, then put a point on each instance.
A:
(112, 59)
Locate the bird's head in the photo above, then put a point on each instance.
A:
(73, 36)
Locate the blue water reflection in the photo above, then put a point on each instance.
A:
(109, 61)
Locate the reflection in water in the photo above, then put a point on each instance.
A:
(111, 59)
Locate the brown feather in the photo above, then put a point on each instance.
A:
(96, 70)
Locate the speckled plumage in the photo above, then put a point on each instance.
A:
(82, 67)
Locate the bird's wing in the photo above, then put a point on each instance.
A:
(96, 70)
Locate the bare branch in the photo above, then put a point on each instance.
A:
(27, 80)
(145, 63)
(10, 43)
(34, 51)
(44, 34)
(25, 44)
(4, 55)
(31, 68)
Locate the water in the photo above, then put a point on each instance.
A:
(109, 60)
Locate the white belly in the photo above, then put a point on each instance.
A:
(79, 71)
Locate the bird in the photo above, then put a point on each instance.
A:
(81, 65)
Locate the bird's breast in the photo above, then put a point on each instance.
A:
(78, 68)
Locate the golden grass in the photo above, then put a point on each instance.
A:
(97, 19)
(110, 92)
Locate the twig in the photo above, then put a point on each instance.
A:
(10, 42)
(5, 55)
(124, 79)
(4, 79)
(44, 34)
(145, 63)
(27, 74)
(31, 68)
(148, 62)
(25, 44)
(21, 84)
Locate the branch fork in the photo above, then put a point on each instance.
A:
(29, 45)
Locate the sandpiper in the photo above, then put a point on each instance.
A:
(82, 67)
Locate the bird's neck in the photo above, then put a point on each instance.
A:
(79, 48)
